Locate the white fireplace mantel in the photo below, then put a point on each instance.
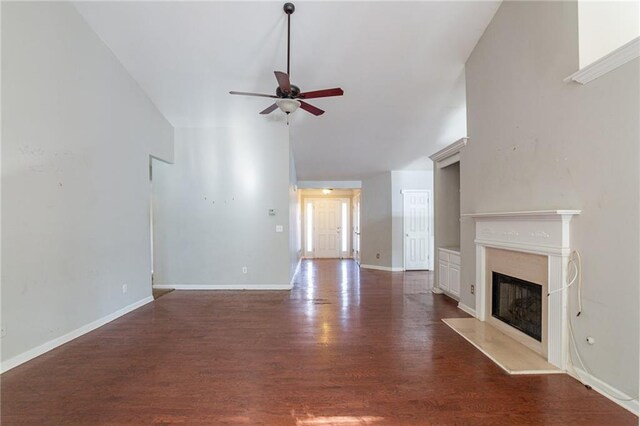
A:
(535, 213)
(543, 232)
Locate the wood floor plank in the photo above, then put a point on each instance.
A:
(345, 346)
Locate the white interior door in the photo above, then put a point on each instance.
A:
(327, 226)
(416, 229)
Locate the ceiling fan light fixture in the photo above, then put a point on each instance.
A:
(288, 105)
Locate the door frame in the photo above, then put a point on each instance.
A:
(151, 217)
(356, 206)
(341, 254)
(429, 230)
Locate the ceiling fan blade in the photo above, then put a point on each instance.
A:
(269, 109)
(325, 93)
(283, 81)
(253, 94)
(310, 108)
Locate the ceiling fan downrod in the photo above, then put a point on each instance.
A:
(289, 8)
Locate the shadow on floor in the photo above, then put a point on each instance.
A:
(159, 292)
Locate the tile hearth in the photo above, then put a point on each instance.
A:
(512, 356)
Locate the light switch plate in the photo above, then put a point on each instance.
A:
(279, 228)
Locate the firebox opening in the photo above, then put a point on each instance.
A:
(518, 303)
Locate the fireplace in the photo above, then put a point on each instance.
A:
(515, 282)
(541, 240)
(518, 303)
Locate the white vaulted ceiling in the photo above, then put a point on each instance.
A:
(401, 66)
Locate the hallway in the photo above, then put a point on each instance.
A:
(345, 346)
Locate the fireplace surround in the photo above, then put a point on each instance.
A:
(545, 234)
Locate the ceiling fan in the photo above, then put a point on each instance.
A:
(288, 96)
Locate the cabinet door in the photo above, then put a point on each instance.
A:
(443, 276)
(454, 279)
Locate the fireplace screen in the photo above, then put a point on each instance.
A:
(518, 303)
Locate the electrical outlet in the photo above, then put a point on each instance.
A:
(473, 289)
(3, 332)
(377, 255)
(124, 288)
(245, 270)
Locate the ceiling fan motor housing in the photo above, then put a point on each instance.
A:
(295, 91)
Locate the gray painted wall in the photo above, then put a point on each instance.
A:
(381, 221)
(560, 145)
(77, 132)
(376, 220)
(211, 208)
(448, 205)
(401, 180)
(294, 218)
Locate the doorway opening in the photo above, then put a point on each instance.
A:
(331, 223)
(154, 291)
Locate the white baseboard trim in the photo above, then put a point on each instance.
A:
(288, 286)
(605, 389)
(59, 341)
(382, 268)
(467, 309)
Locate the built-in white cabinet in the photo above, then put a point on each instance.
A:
(443, 275)
(446, 180)
(449, 270)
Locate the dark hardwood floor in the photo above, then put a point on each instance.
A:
(343, 347)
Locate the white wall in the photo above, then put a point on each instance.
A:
(295, 243)
(376, 221)
(401, 180)
(604, 26)
(77, 132)
(211, 208)
(538, 143)
(335, 184)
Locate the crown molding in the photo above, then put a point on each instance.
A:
(613, 60)
(450, 150)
